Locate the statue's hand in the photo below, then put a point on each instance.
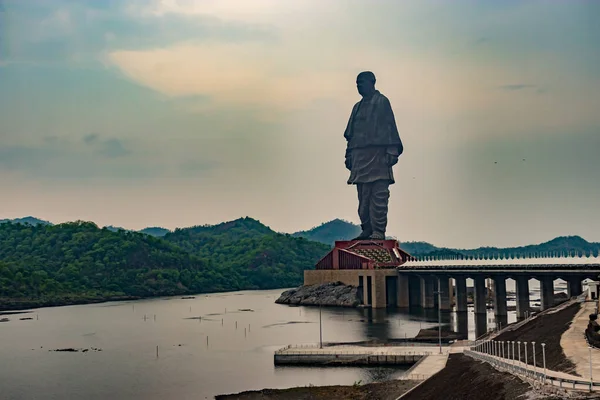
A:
(391, 159)
(348, 163)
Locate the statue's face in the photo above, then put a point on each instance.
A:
(364, 85)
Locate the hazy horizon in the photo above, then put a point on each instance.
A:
(176, 113)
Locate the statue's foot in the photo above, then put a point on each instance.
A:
(377, 236)
(364, 235)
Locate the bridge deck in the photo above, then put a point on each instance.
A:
(504, 263)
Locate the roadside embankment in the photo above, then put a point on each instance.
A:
(546, 328)
(389, 390)
(464, 378)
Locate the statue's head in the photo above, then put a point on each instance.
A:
(365, 83)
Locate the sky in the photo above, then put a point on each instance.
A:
(177, 113)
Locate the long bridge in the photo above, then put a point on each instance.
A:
(388, 276)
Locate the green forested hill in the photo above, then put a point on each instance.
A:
(77, 261)
(263, 258)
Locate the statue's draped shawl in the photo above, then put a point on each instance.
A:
(379, 128)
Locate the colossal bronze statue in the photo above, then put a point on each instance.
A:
(373, 147)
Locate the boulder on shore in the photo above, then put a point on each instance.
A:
(326, 294)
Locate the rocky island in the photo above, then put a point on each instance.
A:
(327, 294)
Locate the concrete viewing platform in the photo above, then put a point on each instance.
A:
(354, 355)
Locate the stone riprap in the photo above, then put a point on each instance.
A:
(327, 294)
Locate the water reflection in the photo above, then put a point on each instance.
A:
(461, 324)
(480, 324)
(392, 324)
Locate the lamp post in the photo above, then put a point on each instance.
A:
(526, 361)
(439, 293)
(591, 379)
(496, 347)
(534, 364)
(544, 358)
(513, 355)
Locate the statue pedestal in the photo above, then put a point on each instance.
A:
(368, 264)
(381, 253)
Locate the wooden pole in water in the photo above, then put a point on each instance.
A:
(244, 332)
(206, 340)
(156, 351)
(221, 321)
(235, 324)
(320, 328)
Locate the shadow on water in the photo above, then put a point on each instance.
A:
(396, 324)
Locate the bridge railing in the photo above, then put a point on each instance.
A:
(537, 374)
(290, 352)
(354, 346)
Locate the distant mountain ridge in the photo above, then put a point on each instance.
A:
(329, 232)
(26, 220)
(339, 229)
(152, 231)
(155, 231)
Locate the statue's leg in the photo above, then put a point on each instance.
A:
(378, 210)
(364, 200)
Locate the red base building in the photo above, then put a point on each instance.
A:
(368, 264)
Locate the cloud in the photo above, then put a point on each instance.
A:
(519, 86)
(61, 158)
(113, 148)
(90, 138)
(66, 31)
(192, 168)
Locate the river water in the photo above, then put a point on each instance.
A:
(228, 350)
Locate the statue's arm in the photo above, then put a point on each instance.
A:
(347, 134)
(390, 120)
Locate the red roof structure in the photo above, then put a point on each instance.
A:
(364, 254)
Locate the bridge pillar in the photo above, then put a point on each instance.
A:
(414, 293)
(522, 296)
(444, 288)
(461, 293)
(427, 297)
(500, 295)
(479, 300)
(403, 292)
(574, 286)
(546, 292)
